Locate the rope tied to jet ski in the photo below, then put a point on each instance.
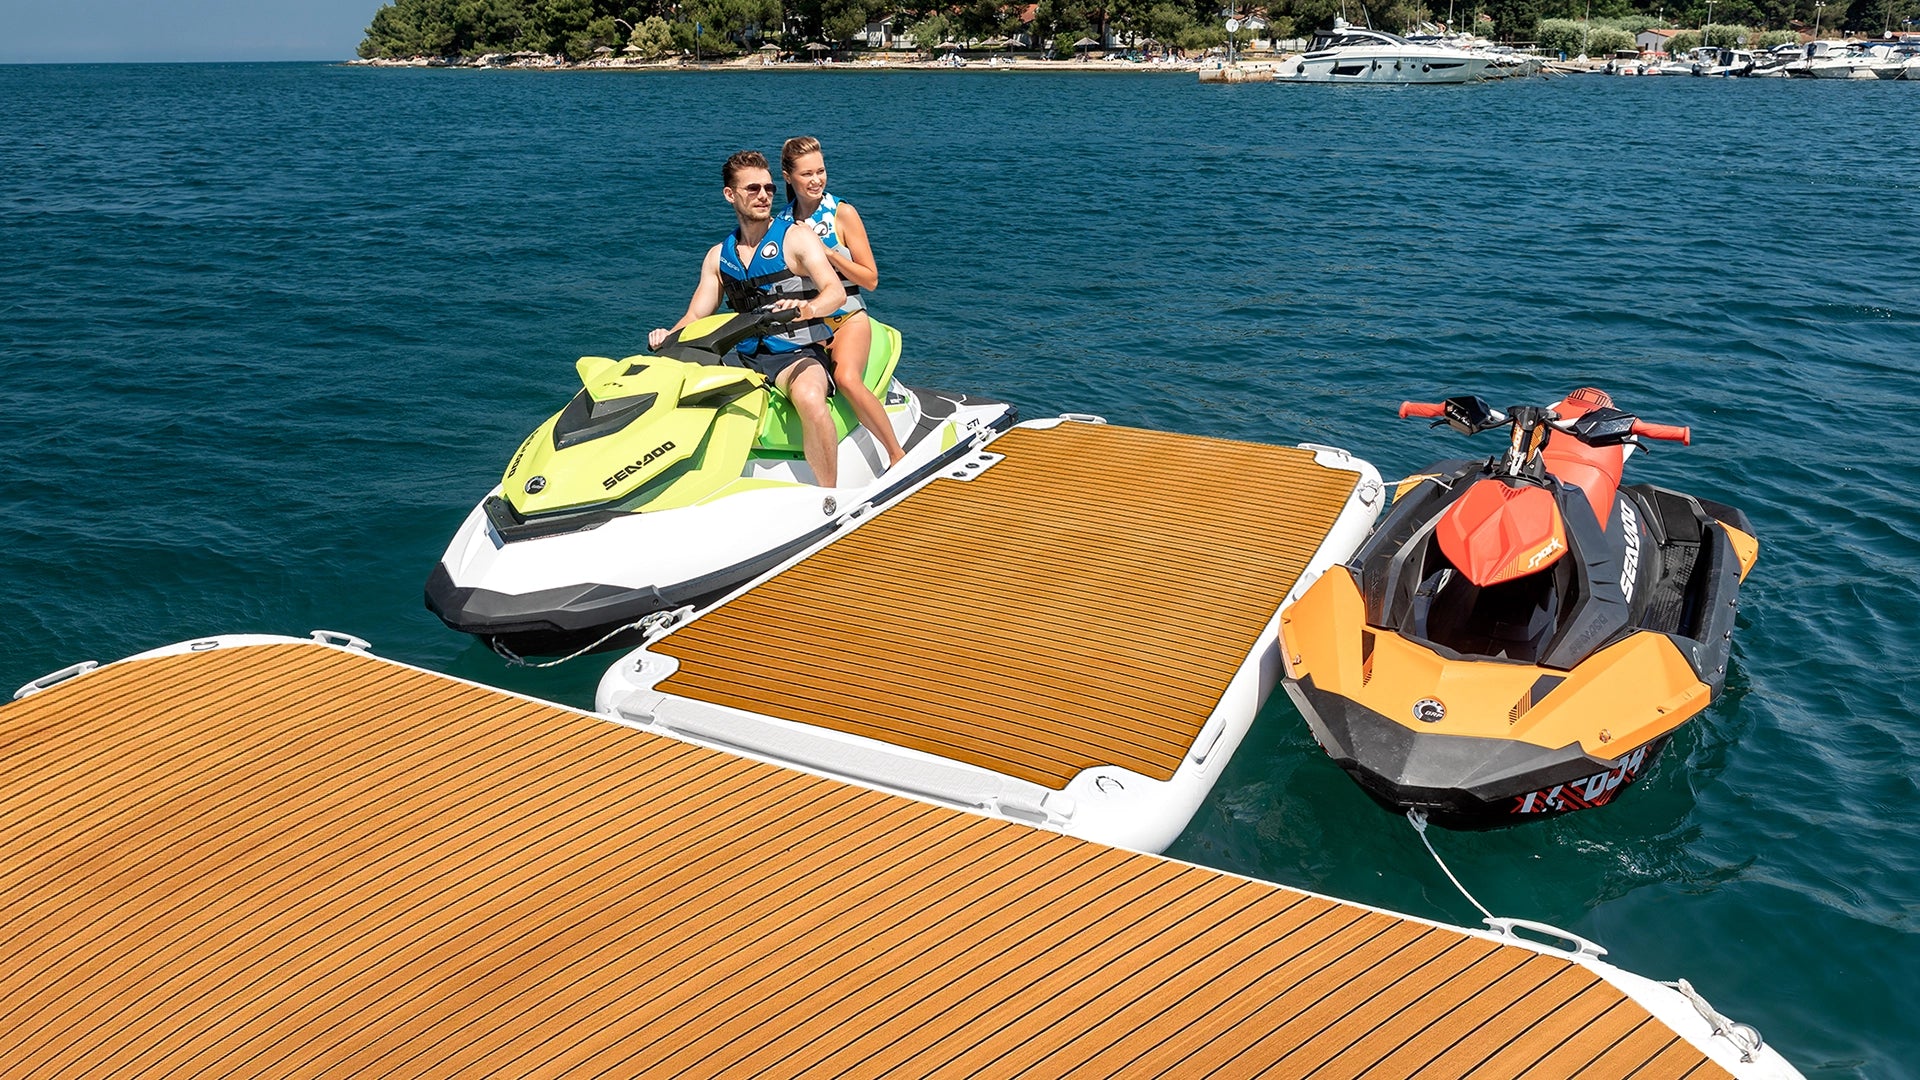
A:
(646, 624)
(1744, 1037)
(1419, 819)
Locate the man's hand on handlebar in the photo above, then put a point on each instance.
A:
(656, 336)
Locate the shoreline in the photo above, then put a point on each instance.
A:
(522, 62)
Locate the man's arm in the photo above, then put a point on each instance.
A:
(808, 255)
(706, 297)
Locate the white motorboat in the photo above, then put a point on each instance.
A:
(1835, 60)
(1724, 62)
(1349, 54)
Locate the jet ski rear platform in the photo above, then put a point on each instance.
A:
(1073, 626)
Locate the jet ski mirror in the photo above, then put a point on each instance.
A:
(1602, 427)
(1469, 414)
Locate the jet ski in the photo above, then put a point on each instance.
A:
(671, 479)
(1520, 636)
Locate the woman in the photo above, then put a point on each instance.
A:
(838, 225)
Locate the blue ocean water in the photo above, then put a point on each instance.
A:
(267, 332)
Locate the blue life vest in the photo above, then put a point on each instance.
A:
(766, 279)
(823, 225)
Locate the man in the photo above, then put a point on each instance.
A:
(763, 263)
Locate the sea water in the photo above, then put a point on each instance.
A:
(268, 331)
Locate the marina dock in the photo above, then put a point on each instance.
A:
(267, 857)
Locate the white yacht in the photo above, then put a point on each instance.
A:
(1350, 54)
(1838, 60)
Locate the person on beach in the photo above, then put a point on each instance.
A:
(765, 262)
(839, 227)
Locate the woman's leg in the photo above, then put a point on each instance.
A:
(851, 344)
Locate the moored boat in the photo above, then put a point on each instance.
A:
(1350, 54)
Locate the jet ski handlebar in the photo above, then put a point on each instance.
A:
(1679, 433)
(1604, 426)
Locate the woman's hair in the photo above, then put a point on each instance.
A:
(795, 148)
(745, 159)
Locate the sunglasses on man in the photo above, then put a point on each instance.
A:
(755, 189)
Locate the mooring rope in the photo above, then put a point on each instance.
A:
(1744, 1037)
(643, 623)
(1419, 819)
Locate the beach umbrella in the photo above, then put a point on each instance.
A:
(769, 47)
(631, 49)
(817, 46)
(948, 45)
(603, 50)
(1085, 43)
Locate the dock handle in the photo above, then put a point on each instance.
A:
(1083, 418)
(55, 678)
(1581, 946)
(345, 641)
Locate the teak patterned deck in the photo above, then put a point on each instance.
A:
(298, 861)
(1028, 625)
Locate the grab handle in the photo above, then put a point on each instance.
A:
(55, 678)
(1670, 432)
(1507, 928)
(1430, 409)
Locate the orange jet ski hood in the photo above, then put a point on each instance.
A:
(1499, 531)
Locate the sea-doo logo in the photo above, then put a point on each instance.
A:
(1630, 560)
(536, 485)
(514, 465)
(1554, 546)
(1429, 710)
(772, 250)
(628, 470)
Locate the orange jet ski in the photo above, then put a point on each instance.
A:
(1520, 636)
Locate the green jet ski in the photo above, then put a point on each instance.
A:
(669, 481)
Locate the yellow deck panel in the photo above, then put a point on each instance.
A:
(1083, 602)
(299, 861)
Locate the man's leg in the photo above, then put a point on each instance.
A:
(805, 384)
(851, 344)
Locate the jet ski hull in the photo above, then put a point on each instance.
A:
(549, 588)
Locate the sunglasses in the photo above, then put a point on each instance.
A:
(755, 189)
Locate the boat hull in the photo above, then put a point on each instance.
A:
(558, 593)
(1384, 67)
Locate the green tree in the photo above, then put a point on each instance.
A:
(842, 20)
(1165, 22)
(1515, 20)
(653, 37)
(930, 31)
